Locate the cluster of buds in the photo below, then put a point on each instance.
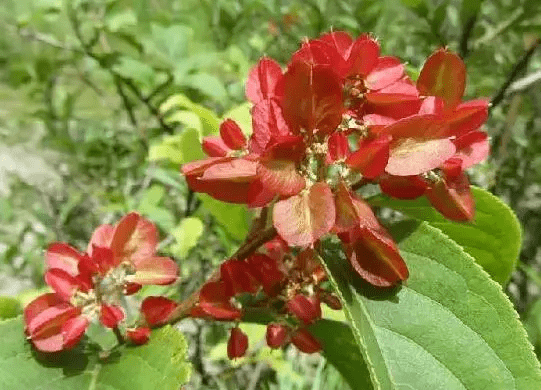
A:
(91, 286)
(340, 116)
(285, 286)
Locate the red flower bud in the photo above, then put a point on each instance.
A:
(131, 288)
(156, 310)
(237, 344)
(276, 335)
(232, 134)
(305, 341)
(307, 309)
(138, 336)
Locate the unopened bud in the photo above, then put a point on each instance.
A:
(237, 344)
(305, 341)
(276, 335)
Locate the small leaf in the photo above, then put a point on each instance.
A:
(493, 239)
(9, 307)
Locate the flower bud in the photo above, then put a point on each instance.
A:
(111, 315)
(138, 336)
(305, 341)
(237, 344)
(332, 301)
(307, 309)
(156, 310)
(232, 134)
(276, 335)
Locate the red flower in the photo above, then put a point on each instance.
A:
(86, 286)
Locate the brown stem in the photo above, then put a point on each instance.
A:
(119, 337)
(360, 183)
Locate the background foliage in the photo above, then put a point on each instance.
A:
(103, 99)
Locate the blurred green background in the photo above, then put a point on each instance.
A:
(101, 101)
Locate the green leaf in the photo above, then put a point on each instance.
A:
(493, 239)
(242, 115)
(232, 216)
(207, 84)
(448, 327)
(135, 70)
(186, 234)
(209, 121)
(160, 364)
(178, 148)
(9, 307)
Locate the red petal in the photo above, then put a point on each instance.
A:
(352, 211)
(196, 168)
(413, 157)
(303, 219)
(224, 190)
(375, 257)
(111, 315)
(340, 41)
(138, 336)
(62, 283)
(156, 310)
(276, 335)
(102, 236)
(467, 117)
(155, 270)
(267, 122)
(267, 272)
(307, 309)
(424, 126)
(393, 105)
(237, 277)
(259, 195)
(338, 146)
(403, 187)
(261, 83)
(443, 75)
(53, 343)
(232, 134)
(215, 147)
(387, 71)
(237, 170)
(363, 56)
(432, 105)
(472, 148)
(103, 259)
(305, 341)
(280, 177)
(73, 331)
(372, 156)
(313, 98)
(135, 238)
(237, 344)
(63, 256)
(453, 198)
(214, 301)
(317, 52)
(40, 304)
(49, 321)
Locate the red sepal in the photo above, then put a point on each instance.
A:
(403, 187)
(452, 197)
(237, 277)
(215, 302)
(267, 272)
(215, 147)
(232, 135)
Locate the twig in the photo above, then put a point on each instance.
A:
(118, 335)
(501, 28)
(127, 104)
(519, 66)
(466, 34)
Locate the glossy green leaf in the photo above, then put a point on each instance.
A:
(160, 364)
(448, 327)
(493, 239)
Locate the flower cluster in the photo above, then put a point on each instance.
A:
(288, 287)
(342, 115)
(90, 286)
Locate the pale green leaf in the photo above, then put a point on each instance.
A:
(493, 239)
(186, 234)
(235, 218)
